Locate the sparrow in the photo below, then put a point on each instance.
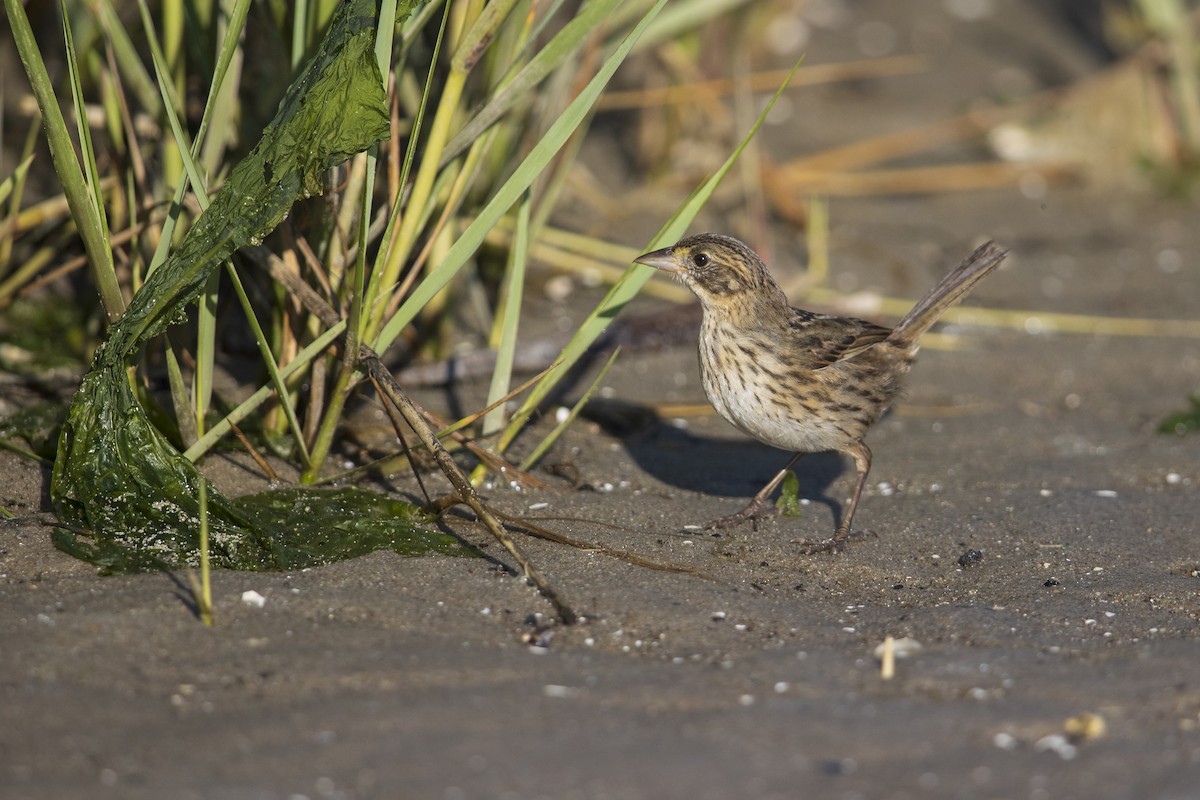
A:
(794, 379)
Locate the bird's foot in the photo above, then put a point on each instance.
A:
(834, 544)
(752, 513)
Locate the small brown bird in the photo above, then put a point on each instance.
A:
(793, 379)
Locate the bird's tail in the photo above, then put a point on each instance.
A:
(952, 288)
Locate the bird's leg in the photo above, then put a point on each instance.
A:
(759, 506)
(862, 464)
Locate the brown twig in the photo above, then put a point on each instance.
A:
(621, 555)
(309, 298)
(404, 448)
(415, 420)
(494, 461)
(263, 464)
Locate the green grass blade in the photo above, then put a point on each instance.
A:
(421, 198)
(171, 41)
(12, 191)
(480, 34)
(62, 152)
(222, 92)
(171, 106)
(90, 170)
(185, 418)
(268, 358)
(632, 281)
(206, 351)
(237, 21)
(206, 318)
(264, 393)
(506, 322)
(10, 183)
(386, 264)
(204, 599)
(564, 44)
(508, 194)
(300, 14)
(344, 383)
(686, 15)
(133, 73)
(561, 427)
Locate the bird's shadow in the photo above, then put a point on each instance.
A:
(733, 468)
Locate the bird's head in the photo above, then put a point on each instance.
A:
(718, 269)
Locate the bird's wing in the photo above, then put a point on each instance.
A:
(826, 340)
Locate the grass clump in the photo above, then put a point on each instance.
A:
(422, 126)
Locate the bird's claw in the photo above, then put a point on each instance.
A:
(752, 513)
(811, 547)
(834, 544)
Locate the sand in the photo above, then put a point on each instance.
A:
(1024, 523)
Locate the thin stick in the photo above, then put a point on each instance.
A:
(416, 421)
(263, 464)
(404, 448)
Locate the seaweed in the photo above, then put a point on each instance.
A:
(128, 499)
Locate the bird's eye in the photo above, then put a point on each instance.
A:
(700, 259)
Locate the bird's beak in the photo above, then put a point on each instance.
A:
(661, 259)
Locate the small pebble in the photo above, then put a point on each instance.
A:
(970, 559)
(1056, 743)
(1005, 741)
(559, 288)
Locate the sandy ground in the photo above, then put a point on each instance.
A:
(387, 677)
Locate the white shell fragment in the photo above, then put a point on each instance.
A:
(253, 599)
(890, 650)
